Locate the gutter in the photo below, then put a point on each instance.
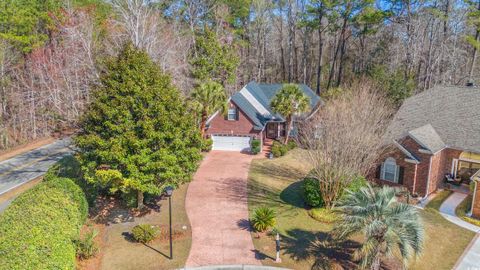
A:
(428, 179)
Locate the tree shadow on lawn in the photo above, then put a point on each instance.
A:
(303, 245)
(274, 170)
(129, 237)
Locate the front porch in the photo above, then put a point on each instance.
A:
(274, 130)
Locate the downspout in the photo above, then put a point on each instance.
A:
(473, 199)
(414, 179)
(428, 179)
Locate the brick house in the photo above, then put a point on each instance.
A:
(250, 117)
(434, 135)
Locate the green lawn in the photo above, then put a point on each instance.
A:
(437, 201)
(464, 208)
(275, 183)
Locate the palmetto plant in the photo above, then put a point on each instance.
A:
(263, 219)
(208, 98)
(289, 101)
(384, 223)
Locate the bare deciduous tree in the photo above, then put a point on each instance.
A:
(345, 137)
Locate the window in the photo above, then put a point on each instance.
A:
(389, 170)
(232, 114)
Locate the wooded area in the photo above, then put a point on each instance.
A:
(52, 52)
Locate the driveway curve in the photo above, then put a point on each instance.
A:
(217, 207)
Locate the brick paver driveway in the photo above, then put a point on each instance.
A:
(217, 208)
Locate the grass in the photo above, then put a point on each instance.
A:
(275, 183)
(323, 215)
(437, 201)
(120, 252)
(464, 208)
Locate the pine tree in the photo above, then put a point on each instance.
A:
(137, 135)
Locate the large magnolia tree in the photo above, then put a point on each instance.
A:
(345, 137)
(136, 135)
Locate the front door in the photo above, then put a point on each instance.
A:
(272, 130)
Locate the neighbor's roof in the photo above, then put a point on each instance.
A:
(254, 100)
(441, 117)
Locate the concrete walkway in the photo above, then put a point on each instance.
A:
(217, 207)
(470, 259)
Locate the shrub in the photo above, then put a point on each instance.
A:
(279, 149)
(206, 145)
(86, 246)
(323, 215)
(355, 186)
(255, 146)
(311, 192)
(291, 145)
(263, 219)
(38, 230)
(144, 233)
(69, 167)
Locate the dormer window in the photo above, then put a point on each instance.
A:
(232, 114)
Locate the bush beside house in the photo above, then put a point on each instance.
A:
(279, 149)
(38, 230)
(255, 146)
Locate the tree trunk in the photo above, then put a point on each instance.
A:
(376, 263)
(320, 52)
(342, 60)
(203, 123)
(140, 204)
(474, 55)
(289, 127)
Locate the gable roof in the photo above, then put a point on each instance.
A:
(440, 117)
(428, 138)
(254, 100)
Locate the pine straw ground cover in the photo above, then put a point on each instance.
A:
(119, 251)
(275, 183)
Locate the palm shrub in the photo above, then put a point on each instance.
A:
(86, 246)
(384, 223)
(290, 100)
(263, 219)
(145, 233)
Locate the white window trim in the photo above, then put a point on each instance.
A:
(396, 171)
(234, 112)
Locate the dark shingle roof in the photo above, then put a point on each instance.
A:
(441, 117)
(254, 100)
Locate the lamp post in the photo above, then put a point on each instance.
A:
(169, 193)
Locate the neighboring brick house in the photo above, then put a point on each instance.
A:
(249, 116)
(434, 133)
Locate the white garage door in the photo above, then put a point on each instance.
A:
(231, 143)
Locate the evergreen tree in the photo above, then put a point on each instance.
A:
(212, 60)
(137, 135)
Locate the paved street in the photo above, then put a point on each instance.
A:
(30, 165)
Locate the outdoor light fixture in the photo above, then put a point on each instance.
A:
(169, 193)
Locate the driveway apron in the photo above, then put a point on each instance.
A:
(217, 207)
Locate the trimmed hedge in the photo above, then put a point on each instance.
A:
(38, 230)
